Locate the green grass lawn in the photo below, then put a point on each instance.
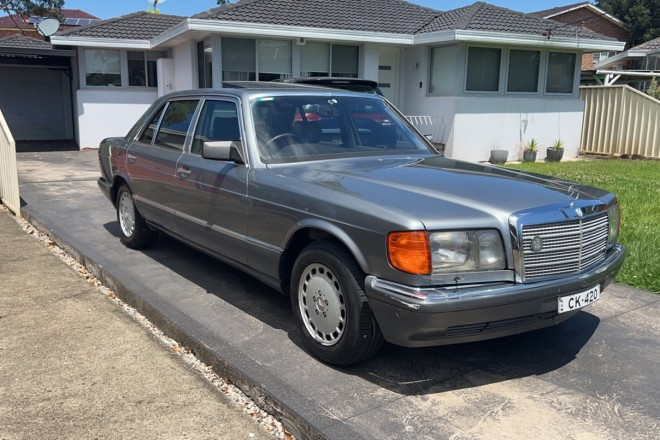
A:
(637, 186)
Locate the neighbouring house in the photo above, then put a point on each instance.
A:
(477, 78)
(26, 24)
(591, 17)
(36, 80)
(634, 67)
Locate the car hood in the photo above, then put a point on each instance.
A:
(437, 190)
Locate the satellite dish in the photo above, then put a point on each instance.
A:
(48, 27)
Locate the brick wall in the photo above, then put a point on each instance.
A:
(594, 22)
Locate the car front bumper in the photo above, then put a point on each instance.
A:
(421, 317)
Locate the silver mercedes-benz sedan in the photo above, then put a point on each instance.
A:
(334, 199)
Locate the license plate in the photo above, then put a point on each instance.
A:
(578, 300)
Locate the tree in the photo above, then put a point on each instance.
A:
(654, 89)
(223, 2)
(641, 17)
(39, 8)
(25, 8)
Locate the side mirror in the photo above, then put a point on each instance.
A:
(223, 150)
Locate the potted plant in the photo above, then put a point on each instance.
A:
(498, 156)
(529, 153)
(555, 151)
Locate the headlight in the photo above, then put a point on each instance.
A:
(614, 219)
(461, 251)
(423, 253)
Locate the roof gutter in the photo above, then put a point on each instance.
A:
(112, 43)
(519, 40)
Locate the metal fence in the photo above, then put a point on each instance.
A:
(619, 120)
(8, 171)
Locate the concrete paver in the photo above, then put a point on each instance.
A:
(74, 365)
(590, 377)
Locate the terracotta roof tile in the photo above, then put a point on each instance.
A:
(23, 42)
(481, 16)
(136, 26)
(385, 16)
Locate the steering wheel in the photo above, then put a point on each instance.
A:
(293, 139)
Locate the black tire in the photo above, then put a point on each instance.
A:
(330, 306)
(133, 229)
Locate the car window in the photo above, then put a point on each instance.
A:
(298, 128)
(218, 121)
(147, 135)
(175, 123)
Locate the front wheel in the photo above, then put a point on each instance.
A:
(134, 231)
(330, 306)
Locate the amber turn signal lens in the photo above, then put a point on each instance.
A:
(409, 252)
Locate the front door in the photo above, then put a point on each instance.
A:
(388, 73)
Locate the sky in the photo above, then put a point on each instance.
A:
(115, 8)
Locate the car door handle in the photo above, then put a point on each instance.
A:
(183, 172)
(131, 157)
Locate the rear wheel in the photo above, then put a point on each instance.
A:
(134, 230)
(330, 306)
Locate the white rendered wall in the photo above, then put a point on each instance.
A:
(477, 124)
(109, 113)
(483, 124)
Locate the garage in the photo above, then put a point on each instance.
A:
(35, 92)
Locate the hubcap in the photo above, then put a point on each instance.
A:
(126, 214)
(322, 305)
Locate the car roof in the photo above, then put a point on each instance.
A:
(247, 89)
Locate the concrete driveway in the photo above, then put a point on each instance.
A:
(592, 377)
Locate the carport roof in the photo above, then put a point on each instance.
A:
(22, 42)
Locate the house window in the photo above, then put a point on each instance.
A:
(483, 69)
(238, 59)
(274, 59)
(523, 71)
(102, 67)
(325, 59)
(344, 61)
(561, 72)
(315, 59)
(443, 70)
(204, 64)
(142, 70)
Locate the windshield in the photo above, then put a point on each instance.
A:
(301, 128)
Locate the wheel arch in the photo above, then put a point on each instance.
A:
(117, 182)
(311, 231)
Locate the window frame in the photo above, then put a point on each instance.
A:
(539, 76)
(500, 79)
(504, 72)
(575, 88)
(123, 68)
(197, 120)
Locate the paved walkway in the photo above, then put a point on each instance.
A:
(75, 366)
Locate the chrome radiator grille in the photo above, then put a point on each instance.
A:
(567, 247)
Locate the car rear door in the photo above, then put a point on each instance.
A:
(211, 194)
(151, 161)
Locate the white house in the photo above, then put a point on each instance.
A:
(485, 77)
